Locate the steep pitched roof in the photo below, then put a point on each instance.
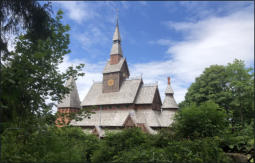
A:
(169, 89)
(72, 99)
(126, 95)
(116, 35)
(116, 47)
(169, 102)
(146, 94)
(114, 67)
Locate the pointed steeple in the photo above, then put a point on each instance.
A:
(72, 99)
(169, 101)
(116, 47)
(116, 35)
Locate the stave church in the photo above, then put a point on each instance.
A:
(119, 101)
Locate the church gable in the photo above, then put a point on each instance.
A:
(129, 122)
(124, 70)
(156, 104)
(146, 94)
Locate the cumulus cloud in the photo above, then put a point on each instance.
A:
(216, 40)
(93, 36)
(78, 11)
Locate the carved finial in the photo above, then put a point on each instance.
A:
(168, 80)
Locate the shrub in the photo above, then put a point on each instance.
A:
(48, 145)
(205, 120)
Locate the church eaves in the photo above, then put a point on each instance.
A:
(72, 99)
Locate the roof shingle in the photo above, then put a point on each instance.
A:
(126, 95)
(72, 99)
(114, 67)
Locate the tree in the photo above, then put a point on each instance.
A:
(133, 145)
(30, 76)
(241, 87)
(205, 120)
(231, 87)
(52, 144)
(17, 16)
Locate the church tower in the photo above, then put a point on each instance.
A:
(169, 101)
(116, 69)
(69, 104)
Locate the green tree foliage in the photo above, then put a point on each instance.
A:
(50, 144)
(241, 87)
(70, 144)
(205, 120)
(132, 145)
(24, 16)
(239, 141)
(231, 87)
(30, 76)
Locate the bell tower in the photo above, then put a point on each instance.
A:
(116, 69)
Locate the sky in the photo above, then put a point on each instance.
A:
(159, 39)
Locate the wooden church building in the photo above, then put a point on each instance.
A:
(120, 101)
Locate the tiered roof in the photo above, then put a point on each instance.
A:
(169, 101)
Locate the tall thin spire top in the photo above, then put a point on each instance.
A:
(116, 35)
(116, 47)
(117, 17)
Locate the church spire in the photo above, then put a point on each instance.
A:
(116, 47)
(169, 101)
(116, 35)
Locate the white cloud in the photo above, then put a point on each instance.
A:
(93, 37)
(78, 11)
(216, 40)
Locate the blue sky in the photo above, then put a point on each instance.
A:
(159, 39)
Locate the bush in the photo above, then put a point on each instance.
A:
(238, 139)
(48, 145)
(133, 145)
(199, 150)
(205, 120)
